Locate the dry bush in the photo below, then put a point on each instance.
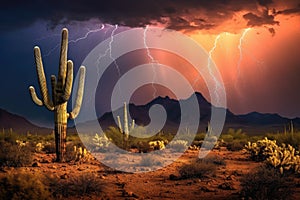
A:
(266, 183)
(81, 185)
(14, 155)
(24, 186)
(200, 168)
(49, 147)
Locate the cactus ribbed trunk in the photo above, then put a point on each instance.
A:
(60, 118)
(126, 130)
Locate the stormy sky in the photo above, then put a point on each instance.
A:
(266, 33)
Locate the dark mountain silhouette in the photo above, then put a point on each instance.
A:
(253, 123)
(18, 124)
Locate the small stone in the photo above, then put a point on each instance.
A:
(64, 176)
(102, 177)
(173, 177)
(206, 189)
(80, 169)
(36, 164)
(226, 186)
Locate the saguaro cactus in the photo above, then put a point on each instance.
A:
(61, 92)
(125, 129)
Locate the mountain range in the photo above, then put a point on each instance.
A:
(253, 123)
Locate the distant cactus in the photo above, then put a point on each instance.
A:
(125, 129)
(61, 92)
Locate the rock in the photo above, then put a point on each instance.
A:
(226, 186)
(173, 177)
(237, 173)
(207, 189)
(52, 167)
(102, 177)
(36, 164)
(231, 177)
(45, 161)
(64, 176)
(80, 169)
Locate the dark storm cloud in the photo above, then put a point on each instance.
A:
(175, 14)
(258, 20)
(290, 11)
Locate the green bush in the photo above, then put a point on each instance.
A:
(234, 135)
(14, 155)
(23, 186)
(266, 184)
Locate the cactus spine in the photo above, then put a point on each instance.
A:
(61, 92)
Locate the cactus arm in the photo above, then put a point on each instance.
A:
(69, 81)
(119, 124)
(132, 125)
(42, 79)
(75, 112)
(63, 59)
(53, 86)
(34, 97)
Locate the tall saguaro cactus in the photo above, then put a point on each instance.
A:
(61, 92)
(125, 129)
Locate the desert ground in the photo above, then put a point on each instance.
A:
(164, 183)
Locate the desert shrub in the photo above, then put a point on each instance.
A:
(237, 134)
(157, 144)
(178, 145)
(115, 136)
(77, 153)
(236, 145)
(101, 143)
(266, 183)
(283, 157)
(83, 184)
(292, 138)
(39, 147)
(14, 155)
(10, 136)
(199, 136)
(199, 168)
(49, 147)
(149, 160)
(215, 160)
(226, 137)
(23, 186)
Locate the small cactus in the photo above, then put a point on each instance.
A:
(283, 157)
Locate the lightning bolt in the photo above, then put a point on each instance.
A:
(209, 62)
(151, 59)
(108, 51)
(87, 34)
(241, 50)
(75, 40)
